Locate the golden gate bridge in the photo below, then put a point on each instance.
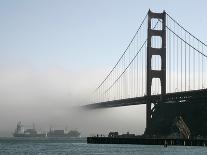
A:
(163, 62)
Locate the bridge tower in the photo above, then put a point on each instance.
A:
(152, 51)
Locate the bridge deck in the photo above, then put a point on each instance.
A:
(176, 96)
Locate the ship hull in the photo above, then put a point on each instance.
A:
(29, 135)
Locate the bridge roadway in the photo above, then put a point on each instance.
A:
(176, 96)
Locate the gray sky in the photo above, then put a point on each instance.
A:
(53, 52)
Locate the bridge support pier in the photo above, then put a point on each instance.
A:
(152, 51)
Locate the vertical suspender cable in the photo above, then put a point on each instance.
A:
(193, 67)
(137, 69)
(177, 62)
(198, 70)
(202, 69)
(181, 61)
(169, 60)
(189, 65)
(174, 56)
(185, 61)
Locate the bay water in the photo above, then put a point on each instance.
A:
(79, 146)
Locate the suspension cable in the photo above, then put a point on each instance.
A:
(122, 54)
(130, 62)
(186, 42)
(186, 30)
(126, 67)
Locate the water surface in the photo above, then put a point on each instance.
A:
(78, 146)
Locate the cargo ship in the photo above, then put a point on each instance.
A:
(21, 132)
(63, 133)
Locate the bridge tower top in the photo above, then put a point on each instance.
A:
(153, 51)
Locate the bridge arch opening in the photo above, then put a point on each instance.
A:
(156, 23)
(156, 62)
(156, 86)
(156, 42)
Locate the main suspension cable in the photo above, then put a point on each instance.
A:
(122, 54)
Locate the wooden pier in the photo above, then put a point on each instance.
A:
(147, 141)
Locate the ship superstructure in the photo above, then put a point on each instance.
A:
(20, 131)
(62, 133)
